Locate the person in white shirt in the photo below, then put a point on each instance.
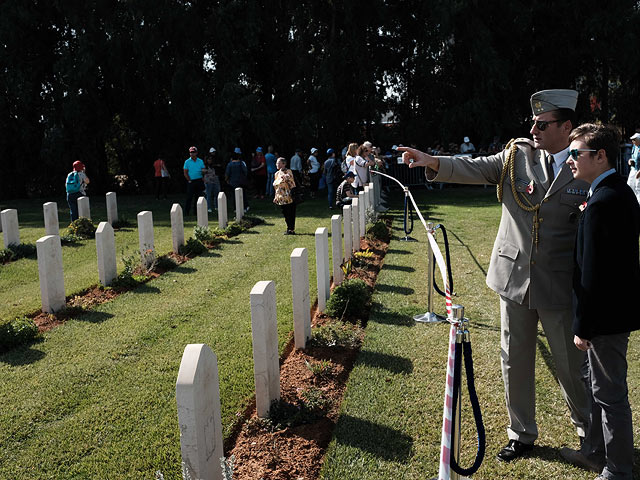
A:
(314, 171)
(467, 146)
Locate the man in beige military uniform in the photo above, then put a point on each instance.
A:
(532, 260)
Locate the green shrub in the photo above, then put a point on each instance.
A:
(348, 299)
(127, 278)
(17, 332)
(82, 227)
(165, 263)
(233, 229)
(69, 239)
(17, 251)
(202, 234)
(192, 248)
(335, 334)
(322, 369)
(378, 231)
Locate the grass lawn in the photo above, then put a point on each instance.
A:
(96, 398)
(391, 417)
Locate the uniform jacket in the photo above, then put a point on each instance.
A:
(607, 268)
(516, 263)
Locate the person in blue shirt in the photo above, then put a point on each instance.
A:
(270, 158)
(193, 167)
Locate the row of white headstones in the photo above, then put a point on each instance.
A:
(49, 247)
(197, 387)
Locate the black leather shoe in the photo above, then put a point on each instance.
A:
(514, 449)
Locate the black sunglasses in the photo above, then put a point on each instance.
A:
(542, 126)
(575, 153)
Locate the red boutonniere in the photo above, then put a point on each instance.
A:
(530, 187)
(582, 206)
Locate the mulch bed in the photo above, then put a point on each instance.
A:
(76, 304)
(297, 452)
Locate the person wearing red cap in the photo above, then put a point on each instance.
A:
(75, 186)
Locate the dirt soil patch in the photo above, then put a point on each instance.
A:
(297, 452)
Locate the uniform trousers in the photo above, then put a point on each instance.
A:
(610, 437)
(519, 325)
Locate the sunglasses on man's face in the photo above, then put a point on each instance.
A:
(575, 153)
(542, 125)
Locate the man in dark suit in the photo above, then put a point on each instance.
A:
(606, 270)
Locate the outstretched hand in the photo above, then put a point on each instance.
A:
(415, 158)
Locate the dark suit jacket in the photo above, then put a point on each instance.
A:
(607, 270)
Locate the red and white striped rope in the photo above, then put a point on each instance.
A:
(444, 472)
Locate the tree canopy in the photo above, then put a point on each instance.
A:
(118, 83)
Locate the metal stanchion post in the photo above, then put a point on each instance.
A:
(462, 333)
(429, 316)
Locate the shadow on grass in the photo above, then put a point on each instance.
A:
(473, 257)
(383, 442)
(484, 326)
(401, 268)
(145, 288)
(94, 317)
(396, 251)
(23, 355)
(183, 269)
(392, 363)
(387, 317)
(382, 287)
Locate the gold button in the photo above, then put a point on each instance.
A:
(545, 200)
(541, 219)
(533, 262)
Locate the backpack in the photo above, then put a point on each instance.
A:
(73, 183)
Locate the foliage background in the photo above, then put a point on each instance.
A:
(117, 83)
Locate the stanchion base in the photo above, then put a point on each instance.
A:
(408, 239)
(429, 317)
(459, 478)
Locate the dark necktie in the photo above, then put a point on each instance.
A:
(549, 165)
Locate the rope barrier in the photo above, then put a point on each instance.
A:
(448, 257)
(454, 360)
(408, 215)
(465, 347)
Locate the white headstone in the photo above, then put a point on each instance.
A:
(112, 207)
(222, 211)
(301, 301)
(264, 332)
(322, 267)
(346, 215)
(49, 250)
(372, 193)
(239, 204)
(145, 237)
(177, 227)
(199, 414)
(51, 224)
(106, 248)
(336, 248)
(362, 202)
(367, 196)
(84, 209)
(201, 212)
(10, 228)
(355, 221)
